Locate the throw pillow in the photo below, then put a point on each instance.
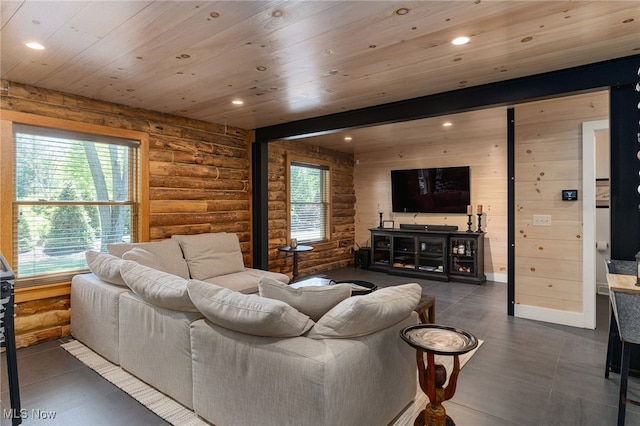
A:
(363, 315)
(212, 254)
(168, 252)
(156, 287)
(312, 301)
(144, 257)
(105, 266)
(247, 313)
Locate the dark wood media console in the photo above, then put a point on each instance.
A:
(436, 255)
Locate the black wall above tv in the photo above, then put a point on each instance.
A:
(432, 190)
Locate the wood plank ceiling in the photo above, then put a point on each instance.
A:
(293, 60)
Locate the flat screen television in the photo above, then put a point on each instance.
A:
(435, 190)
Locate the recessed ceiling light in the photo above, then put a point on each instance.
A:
(237, 102)
(447, 124)
(34, 45)
(348, 138)
(460, 40)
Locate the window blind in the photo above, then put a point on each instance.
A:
(73, 192)
(309, 201)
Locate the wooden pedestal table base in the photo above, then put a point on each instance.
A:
(432, 340)
(295, 250)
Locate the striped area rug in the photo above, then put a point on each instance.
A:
(165, 407)
(178, 415)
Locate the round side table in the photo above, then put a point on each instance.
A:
(433, 340)
(295, 251)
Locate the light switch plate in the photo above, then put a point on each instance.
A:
(541, 220)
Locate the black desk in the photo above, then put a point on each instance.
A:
(295, 251)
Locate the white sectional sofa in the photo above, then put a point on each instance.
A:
(236, 357)
(91, 294)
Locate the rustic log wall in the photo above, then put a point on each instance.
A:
(328, 255)
(199, 180)
(41, 320)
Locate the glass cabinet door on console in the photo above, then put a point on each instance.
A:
(381, 249)
(463, 255)
(431, 254)
(404, 252)
(466, 257)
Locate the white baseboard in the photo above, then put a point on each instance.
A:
(574, 319)
(499, 278)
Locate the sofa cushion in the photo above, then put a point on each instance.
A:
(156, 287)
(363, 315)
(168, 253)
(242, 282)
(247, 313)
(212, 254)
(314, 301)
(105, 266)
(261, 273)
(144, 257)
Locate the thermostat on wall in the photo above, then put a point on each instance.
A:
(569, 194)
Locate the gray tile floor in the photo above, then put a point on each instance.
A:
(525, 373)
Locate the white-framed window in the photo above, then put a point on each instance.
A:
(309, 206)
(73, 192)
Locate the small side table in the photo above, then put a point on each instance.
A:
(295, 251)
(435, 340)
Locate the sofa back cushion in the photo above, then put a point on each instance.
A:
(211, 255)
(156, 287)
(247, 313)
(105, 266)
(363, 315)
(166, 255)
(313, 301)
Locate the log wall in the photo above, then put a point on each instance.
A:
(331, 254)
(199, 180)
(41, 320)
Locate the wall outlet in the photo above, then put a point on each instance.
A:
(541, 220)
